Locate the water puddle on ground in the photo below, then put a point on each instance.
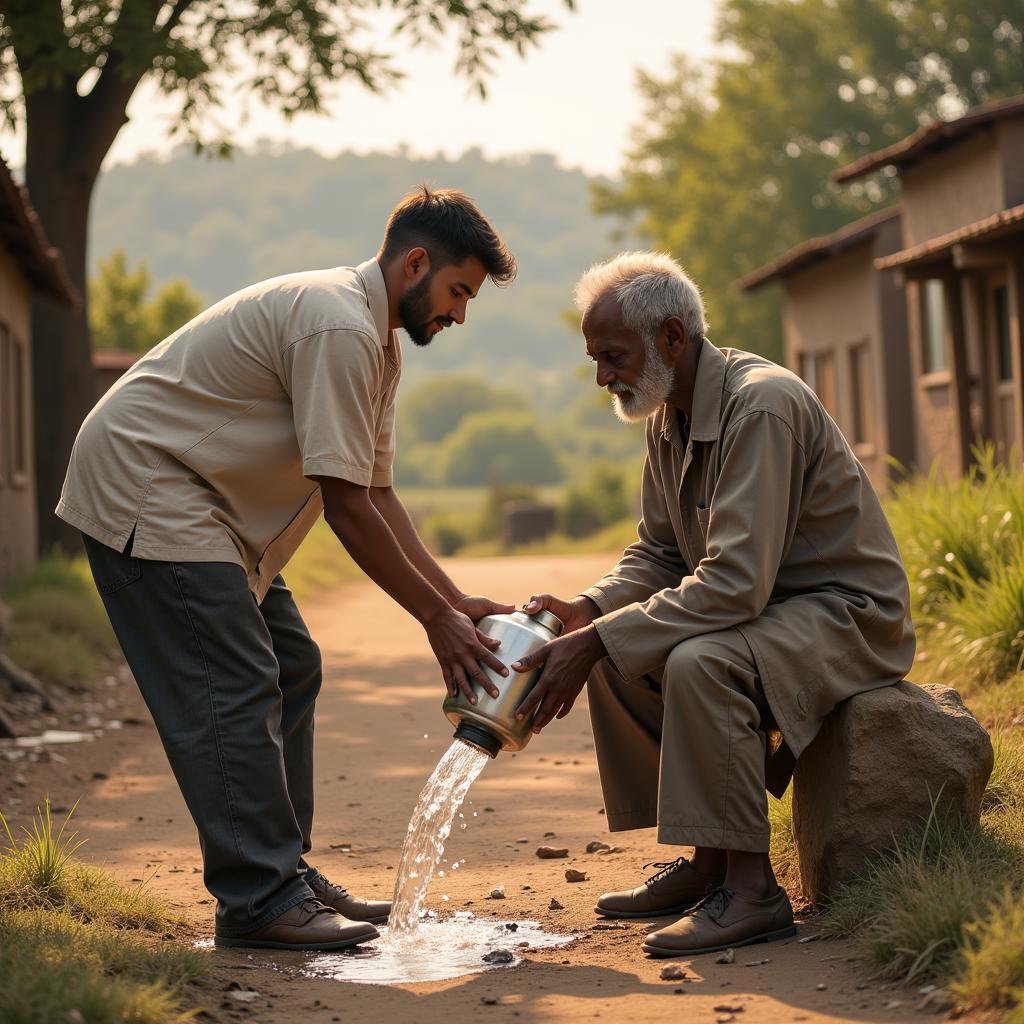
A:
(437, 951)
(416, 945)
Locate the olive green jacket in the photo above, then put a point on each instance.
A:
(763, 521)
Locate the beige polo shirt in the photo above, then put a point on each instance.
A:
(206, 446)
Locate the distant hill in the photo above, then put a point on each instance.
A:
(223, 224)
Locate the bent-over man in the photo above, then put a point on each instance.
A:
(194, 480)
(764, 587)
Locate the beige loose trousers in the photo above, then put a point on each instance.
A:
(696, 736)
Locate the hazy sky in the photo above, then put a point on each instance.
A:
(574, 96)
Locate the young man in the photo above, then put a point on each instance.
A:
(194, 480)
(764, 587)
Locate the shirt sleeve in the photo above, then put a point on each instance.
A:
(334, 379)
(753, 516)
(384, 447)
(652, 562)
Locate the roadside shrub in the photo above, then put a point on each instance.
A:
(599, 500)
(498, 448)
(433, 409)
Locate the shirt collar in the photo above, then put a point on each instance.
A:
(372, 278)
(707, 397)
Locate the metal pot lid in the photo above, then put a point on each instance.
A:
(549, 620)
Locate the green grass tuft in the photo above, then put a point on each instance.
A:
(77, 945)
(993, 959)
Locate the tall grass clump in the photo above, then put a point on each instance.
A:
(962, 542)
(910, 912)
(77, 945)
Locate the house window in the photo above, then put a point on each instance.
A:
(933, 356)
(1002, 325)
(861, 391)
(818, 369)
(13, 409)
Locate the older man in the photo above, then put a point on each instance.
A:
(764, 587)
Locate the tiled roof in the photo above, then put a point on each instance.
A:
(23, 236)
(814, 249)
(1008, 221)
(933, 136)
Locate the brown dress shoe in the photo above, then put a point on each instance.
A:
(675, 888)
(722, 919)
(307, 925)
(355, 909)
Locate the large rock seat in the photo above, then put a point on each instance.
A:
(873, 773)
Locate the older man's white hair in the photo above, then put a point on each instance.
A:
(650, 287)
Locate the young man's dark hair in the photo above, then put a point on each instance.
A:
(450, 226)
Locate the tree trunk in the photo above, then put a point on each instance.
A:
(67, 138)
(60, 186)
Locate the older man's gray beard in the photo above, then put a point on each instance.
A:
(650, 392)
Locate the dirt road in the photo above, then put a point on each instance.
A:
(380, 732)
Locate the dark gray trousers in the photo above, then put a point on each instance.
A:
(231, 685)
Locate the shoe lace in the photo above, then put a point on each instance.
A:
(314, 907)
(326, 883)
(714, 903)
(667, 867)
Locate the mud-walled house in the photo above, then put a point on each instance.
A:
(28, 266)
(845, 329)
(949, 358)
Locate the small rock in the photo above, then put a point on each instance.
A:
(555, 905)
(611, 849)
(728, 957)
(488, 810)
(893, 1004)
(756, 963)
(673, 973)
(498, 956)
(809, 938)
(679, 991)
(522, 840)
(497, 893)
(940, 999)
(596, 846)
(821, 986)
(725, 1008)
(245, 996)
(100, 775)
(511, 926)
(489, 1000)
(572, 875)
(552, 853)
(549, 835)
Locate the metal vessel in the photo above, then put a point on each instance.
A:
(491, 724)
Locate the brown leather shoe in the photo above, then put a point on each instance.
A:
(675, 888)
(307, 925)
(355, 909)
(722, 919)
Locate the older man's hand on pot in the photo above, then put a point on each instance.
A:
(567, 662)
(574, 614)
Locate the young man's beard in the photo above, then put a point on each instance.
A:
(414, 309)
(651, 390)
